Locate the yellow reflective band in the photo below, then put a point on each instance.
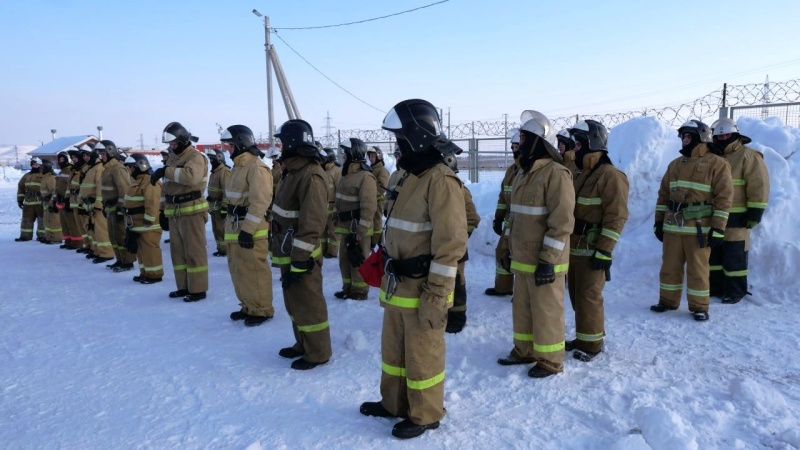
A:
(282, 260)
(85, 185)
(759, 205)
(715, 267)
(507, 188)
(738, 209)
(662, 208)
(548, 348)
(500, 271)
(589, 337)
(186, 209)
(590, 201)
(531, 268)
(614, 236)
(523, 337)
(149, 218)
(393, 370)
(296, 270)
(102, 244)
(501, 207)
(312, 328)
(26, 230)
(152, 269)
(340, 230)
(403, 302)
(599, 255)
(134, 198)
(143, 229)
(197, 269)
(214, 189)
(670, 287)
(717, 235)
(424, 384)
(735, 273)
(684, 230)
(690, 185)
(179, 267)
(697, 293)
(739, 182)
(721, 214)
(359, 284)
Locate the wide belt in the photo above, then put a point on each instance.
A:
(354, 214)
(238, 211)
(183, 198)
(415, 267)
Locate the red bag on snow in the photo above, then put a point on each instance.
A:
(372, 268)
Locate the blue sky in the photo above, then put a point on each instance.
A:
(134, 66)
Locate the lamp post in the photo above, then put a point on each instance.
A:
(269, 77)
(100, 132)
(53, 133)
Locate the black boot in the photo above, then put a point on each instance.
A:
(512, 360)
(21, 239)
(254, 321)
(239, 315)
(302, 364)
(569, 345)
(100, 260)
(81, 250)
(731, 300)
(196, 297)
(538, 371)
(114, 265)
(123, 268)
(375, 409)
(700, 316)
(138, 278)
(408, 429)
(581, 355)
(290, 352)
(144, 280)
(90, 254)
(660, 307)
(495, 293)
(179, 293)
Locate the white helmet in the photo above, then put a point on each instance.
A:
(513, 134)
(274, 152)
(724, 126)
(538, 124)
(36, 160)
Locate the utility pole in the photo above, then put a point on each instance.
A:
(16, 156)
(141, 141)
(327, 126)
(270, 112)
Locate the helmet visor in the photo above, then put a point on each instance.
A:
(392, 121)
(166, 138)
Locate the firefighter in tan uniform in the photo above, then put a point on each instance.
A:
(391, 193)
(91, 200)
(425, 236)
(116, 181)
(330, 241)
(503, 278)
(52, 224)
(80, 215)
(142, 205)
(378, 169)
(728, 276)
(691, 213)
(601, 210)
(249, 194)
(217, 202)
(299, 218)
(540, 222)
(355, 210)
(30, 202)
(566, 147)
(185, 177)
(72, 236)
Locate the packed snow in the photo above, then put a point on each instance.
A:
(92, 360)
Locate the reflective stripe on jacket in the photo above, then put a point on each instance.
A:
(185, 173)
(750, 181)
(216, 188)
(249, 186)
(142, 194)
(116, 181)
(92, 187)
(357, 190)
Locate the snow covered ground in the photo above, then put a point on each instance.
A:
(90, 359)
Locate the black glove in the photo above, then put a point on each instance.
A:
(297, 271)
(19, 203)
(658, 230)
(163, 221)
(157, 175)
(497, 226)
(354, 253)
(754, 216)
(545, 274)
(52, 208)
(131, 241)
(601, 260)
(715, 237)
(67, 207)
(246, 240)
(208, 199)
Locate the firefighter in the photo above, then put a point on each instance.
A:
(52, 224)
(391, 193)
(378, 169)
(457, 314)
(30, 202)
(601, 210)
(69, 227)
(503, 278)
(330, 242)
(249, 194)
(540, 222)
(91, 199)
(728, 262)
(116, 181)
(299, 218)
(426, 235)
(142, 204)
(691, 213)
(162, 218)
(355, 210)
(566, 147)
(217, 202)
(277, 168)
(79, 214)
(185, 177)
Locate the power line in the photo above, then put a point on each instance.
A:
(361, 21)
(327, 77)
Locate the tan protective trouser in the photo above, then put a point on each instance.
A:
(331, 239)
(412, 378)
(538, 314)
(81, 220)
(309, 313)
(116, 234)
(149, 254)
(503, 279)
(187, 248)
(66, 231)
(101, 243)
(377, 227)
(586, 295)
(31, 214)
(251, 277)
(52, 226)
(352, 281)
(679, 251)
(218, 228)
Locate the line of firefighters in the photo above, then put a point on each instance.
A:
(561, 211)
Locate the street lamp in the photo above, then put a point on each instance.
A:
(100, 132)
(269, 76)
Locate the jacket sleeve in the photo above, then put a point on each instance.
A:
(449, 236)
(757, 178)
(122, 181)
(473, 219)
(722, 191)
(223, 181)
(663, 196)
(501, 210)
(614, 197)
(560, 203)
(367, 192)
(382, 180)
(259, 180)
(313, 197)
(97, 190)
(191, 173)
(152, 201)
(21, 188)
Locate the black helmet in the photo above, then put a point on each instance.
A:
(297, 136)
(330, 155)
(63, 159)
(592, 134)
(241, 139)
(215, 156)
(377, 151)
(357, 151)
(414, 122)
(565, 138)
(175, 132)
(139, 162)
(701, 130)
(449, 150)
(109, 147)
(47, 166)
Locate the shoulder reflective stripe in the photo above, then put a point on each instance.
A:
(441, 269)
(529, 210)
(347, 198)
(419, 385)
(236, 194)
(285, 213)
(739, 182)
(684, 230)
(525, 337)
(553, 243)
(614, 236)
(312, 328)
(405, 225)
(252, 218)
(590, 201)
(302, 245)
(759, 205)
(670, 287)
(697, 293)
(548, 348)
(690, 185)
(135, 198)
(393, 370)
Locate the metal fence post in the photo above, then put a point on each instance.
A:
(473, 160)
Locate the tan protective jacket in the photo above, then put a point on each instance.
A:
(75, 185)
(29, 189)
(299, 213)
(356, 191)
(141, 194)
(249, 188)
(601, 208)
(428, 218)
(382, 179)
(91, 191)
(702, 179)
(62, 183)
(540, 217)
(473, 219)
(391, 187)
(116, 181)
(185, 173)
(334, 175)
(750, 181)
(216, 188)
(504, 199)
(48, 189)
